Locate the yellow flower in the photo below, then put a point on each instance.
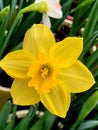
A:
(47, 71)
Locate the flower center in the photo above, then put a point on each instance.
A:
(45, 71)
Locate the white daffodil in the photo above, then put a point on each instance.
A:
(49, 8)
(53, 10)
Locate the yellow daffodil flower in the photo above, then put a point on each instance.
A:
(47, 71)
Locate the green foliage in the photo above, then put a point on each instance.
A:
(86, 109)
(10, 125)
(89, 124)
(4, 115)
(23, 124)
(92, 21)
(45, 122)
(83, 112)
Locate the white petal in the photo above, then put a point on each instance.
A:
(54, 9)
(46, 20)
(52, 1)
(55, 12)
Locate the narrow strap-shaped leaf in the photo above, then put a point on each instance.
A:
(86, 109)
(88, 43)
(23, 124)
(2, 31)
(89, 105)
(5, 44)
(84, 3)
(4, 115)
(1, 4)
(88, 124)
(45, 122)
(10, 125)
(20, 4)
(80, 14)
(16, 47)
(39, 125)
(92, 58)
(92, 20)
(95, 73)
(13, 4)
(50, 120)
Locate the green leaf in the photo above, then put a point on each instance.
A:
(86, 109)
(88, 43)
(88, 124)
(10, 125)
(50, 120)
(45, 122)
(1, 4)
(5, 44)
(39, 125)
(16, 47)
(13, 4)
(24, 123)
(92, 58)
(4, 115)
(95, 73)
(84, 3)
(88, 106)
(92, 20)
(2, 31)
(20, 4)
(81, 13)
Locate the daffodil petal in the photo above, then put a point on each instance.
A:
(50, 2)
(22, 94)
(46, 20)
(67, 51)
(77, 77)
(16, 63)
(57, 101)
(38, 39)
(55, 11)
